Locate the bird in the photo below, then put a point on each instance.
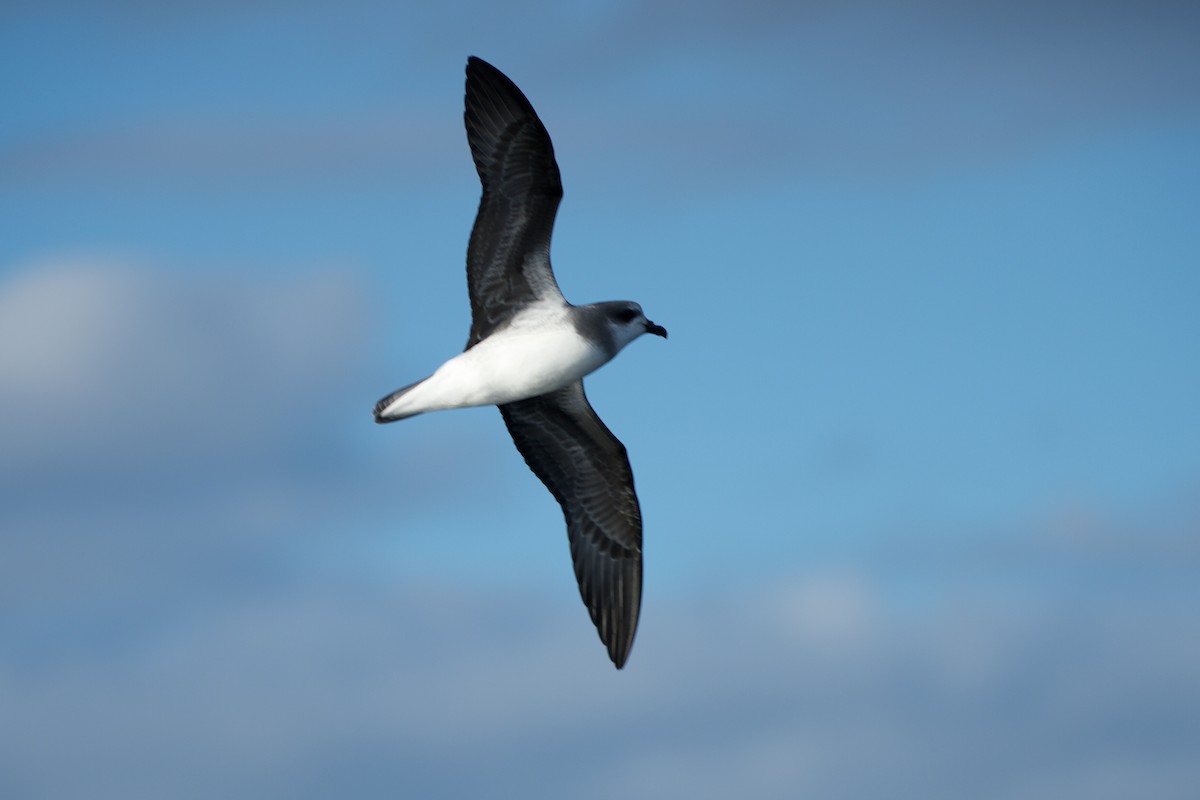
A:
(529, 349)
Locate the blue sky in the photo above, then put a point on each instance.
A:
(919, 463)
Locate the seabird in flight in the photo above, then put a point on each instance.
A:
(529, 350)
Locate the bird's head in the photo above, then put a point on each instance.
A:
(627, 321)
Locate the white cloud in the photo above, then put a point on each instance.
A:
(103, 361)
(160, 427)
(294, 687)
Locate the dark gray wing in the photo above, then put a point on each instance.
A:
(586, 469)
(508, 261)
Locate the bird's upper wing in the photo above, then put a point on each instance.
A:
(586, 469)
(508, 261)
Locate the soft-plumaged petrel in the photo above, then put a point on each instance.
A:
(529, 350)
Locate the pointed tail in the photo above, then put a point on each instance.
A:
(386, 410)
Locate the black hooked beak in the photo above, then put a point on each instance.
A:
(657, 330)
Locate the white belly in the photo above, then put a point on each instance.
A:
(522, 361)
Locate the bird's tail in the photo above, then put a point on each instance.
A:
(390, 408)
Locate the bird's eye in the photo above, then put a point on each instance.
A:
(627, 315)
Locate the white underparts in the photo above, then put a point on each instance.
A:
(537, 353)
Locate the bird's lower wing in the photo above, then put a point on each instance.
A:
(587, 470)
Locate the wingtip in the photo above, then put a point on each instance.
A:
(477, 64)
(619, 659)
(620, 645)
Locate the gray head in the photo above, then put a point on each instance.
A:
(616, 323)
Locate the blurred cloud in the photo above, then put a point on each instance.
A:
(874, 89)
(320, 682)
(250, 150)
(105, 362)
(160, 427)
(865, 89)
